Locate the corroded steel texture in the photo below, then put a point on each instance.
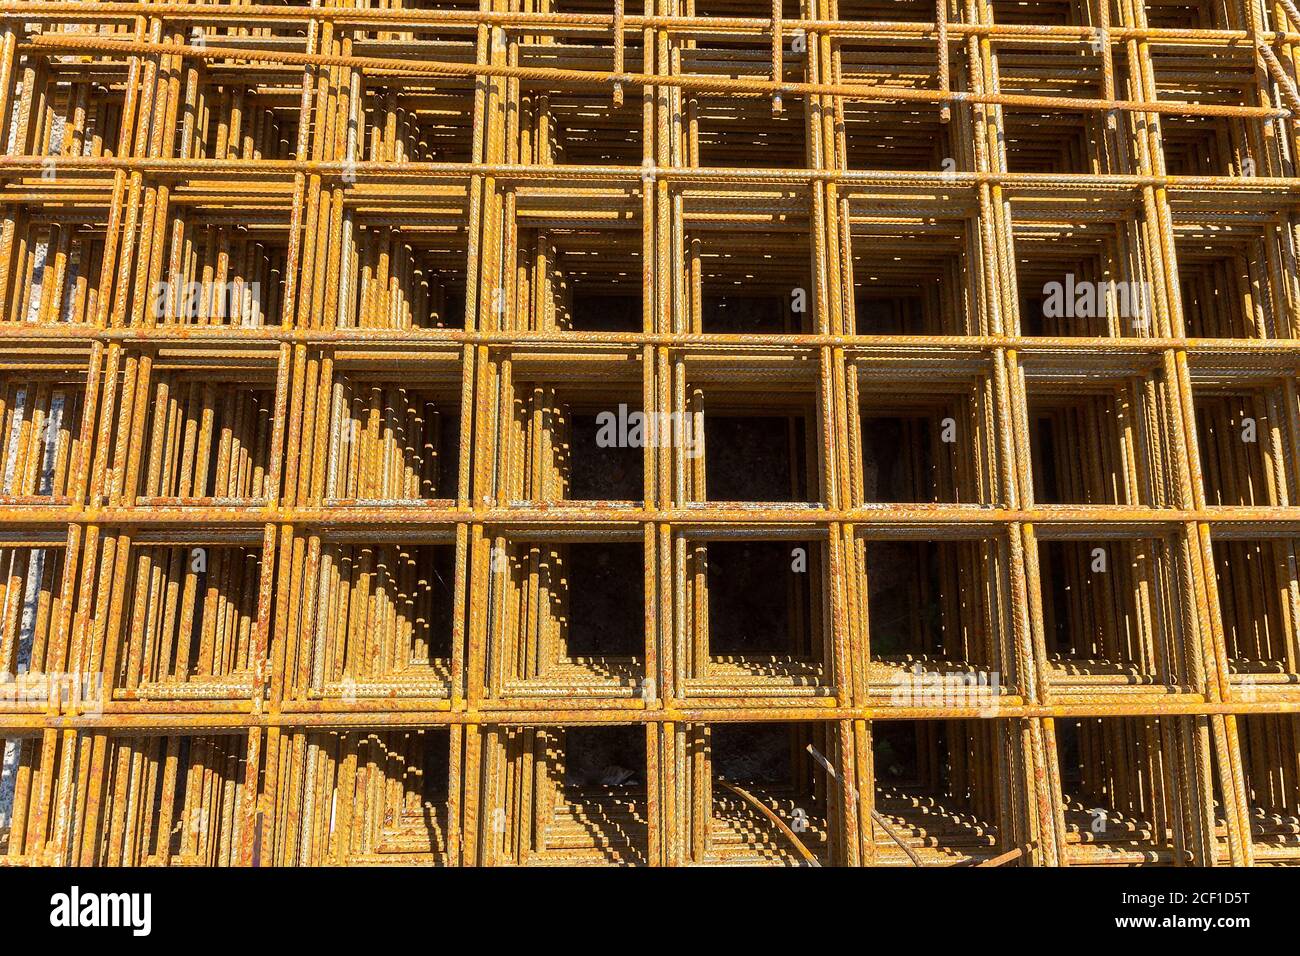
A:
(950, 349)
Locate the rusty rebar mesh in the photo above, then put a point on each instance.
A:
(826, 431)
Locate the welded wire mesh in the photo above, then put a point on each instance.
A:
(853, 433)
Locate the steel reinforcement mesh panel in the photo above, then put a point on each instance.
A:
(828, 432)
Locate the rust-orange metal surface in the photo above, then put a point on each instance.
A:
(306, 312)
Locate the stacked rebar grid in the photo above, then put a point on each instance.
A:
(518, 432)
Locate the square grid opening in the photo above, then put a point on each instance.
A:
(33, 625)
(750, 282)
(1112, 616)
(756, 617)
(194, 627)
(568, 617)
(756, 774)
(935, 616)
(570, 794)
(1118, 784)
(1254, 580)
(579, 442)
(51, 265)
(393, 437)
(41, 447)
(917, 280)
(381, 621)
(930, 795)
(923, 440)
(371, 799)
(207, 434)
